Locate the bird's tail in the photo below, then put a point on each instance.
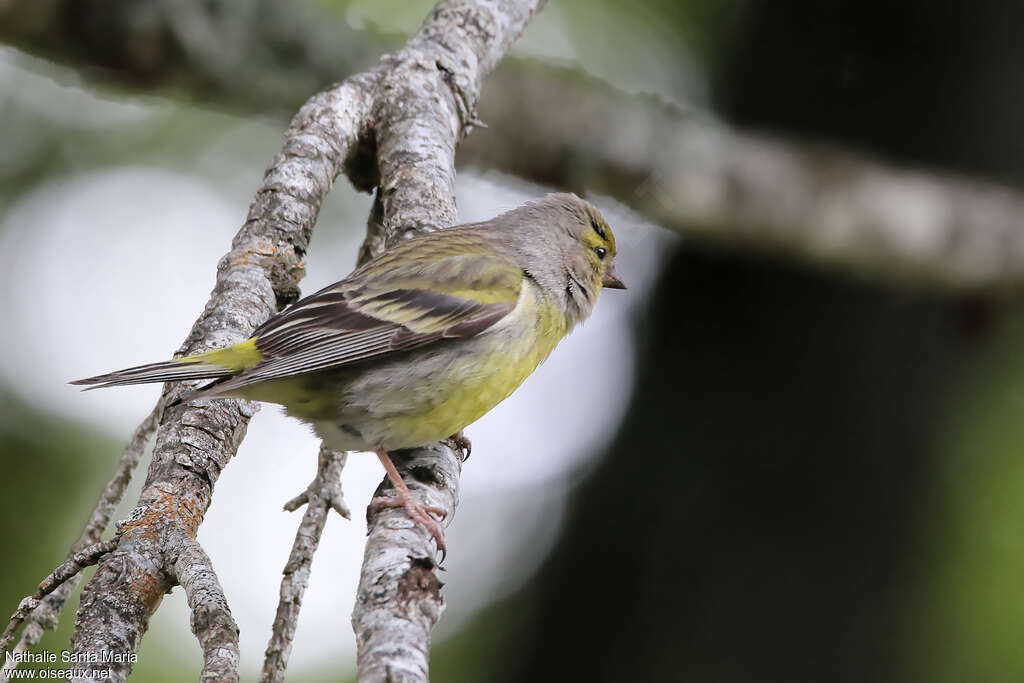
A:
(210, 365)
(172, 370)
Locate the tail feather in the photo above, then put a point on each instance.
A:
(168, 371)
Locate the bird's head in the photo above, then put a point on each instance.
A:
(573, 250)
(594, 257)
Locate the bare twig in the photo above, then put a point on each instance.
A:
(46, 613)
(326, 486)
(320, 497)
(68, 569)
(114, 491)
(25, 608)
(76, 563)
(191, 568)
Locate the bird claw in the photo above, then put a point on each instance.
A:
(418, 512)
(459, 441)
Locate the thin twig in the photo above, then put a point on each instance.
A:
(68, 569)
(25, 608)
(211, 620)
(320, 497)
(76, 563)
(46, 613)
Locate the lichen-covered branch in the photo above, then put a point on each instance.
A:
(196, 440)
(426, 103)
(411, 111)
(320, 497)
(86, 557)
(212, 623)
(45, 613)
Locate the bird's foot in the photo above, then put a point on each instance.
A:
(417, 511)
(459, 441)
(403, 498)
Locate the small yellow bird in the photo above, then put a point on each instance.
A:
(421, 341)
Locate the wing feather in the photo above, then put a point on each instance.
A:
(397, 308)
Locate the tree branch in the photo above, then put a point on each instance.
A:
(411, 111)
(426, 104)
(266, 55)
(46, 613)
(191, 568)
(320, 497)
(86, 557)
(811, 203)
(814, 204)
(196, 440)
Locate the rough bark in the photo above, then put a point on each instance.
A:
(410, 112)
(811, 203)
(196, 440)
(45, 613)
(320, 497)
(190, 567)
(426, 104)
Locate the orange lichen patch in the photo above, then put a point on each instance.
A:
(166, 507)
(190, 516)
(253, 256)
(149, 589)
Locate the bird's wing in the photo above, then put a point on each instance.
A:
(391, 306)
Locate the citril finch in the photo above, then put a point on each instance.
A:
(421, 341)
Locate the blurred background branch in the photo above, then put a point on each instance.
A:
(813, 203)
(816, 203)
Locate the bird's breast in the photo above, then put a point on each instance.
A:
(436, 392)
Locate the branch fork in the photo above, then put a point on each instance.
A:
(395, 127)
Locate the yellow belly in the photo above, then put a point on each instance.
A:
(471, 393)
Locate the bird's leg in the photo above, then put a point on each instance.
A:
(403, 498)
(459, 441)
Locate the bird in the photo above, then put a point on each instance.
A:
(421, 341)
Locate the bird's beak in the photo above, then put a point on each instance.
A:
(612, 280)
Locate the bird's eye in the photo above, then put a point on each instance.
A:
(601, 252)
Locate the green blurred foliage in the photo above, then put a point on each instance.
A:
(53, 469)
(967, 623)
